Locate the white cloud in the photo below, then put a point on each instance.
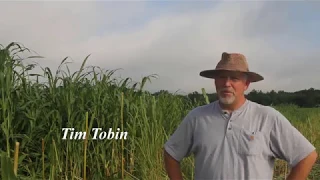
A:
(175, 46)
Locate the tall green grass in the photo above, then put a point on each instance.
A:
(34, 113)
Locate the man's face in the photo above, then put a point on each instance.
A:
(230, 86)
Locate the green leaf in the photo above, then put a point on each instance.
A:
(6, 168)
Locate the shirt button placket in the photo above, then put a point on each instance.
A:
(230, 122)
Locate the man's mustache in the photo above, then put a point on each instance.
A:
(226, 90)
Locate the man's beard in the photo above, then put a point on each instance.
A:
(228, 99)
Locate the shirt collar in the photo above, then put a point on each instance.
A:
(240, 109)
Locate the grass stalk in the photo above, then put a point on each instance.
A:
(122, 140)
(85, 149)
(43, 175)
(16, 158)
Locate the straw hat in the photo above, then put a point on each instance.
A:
(232, 62)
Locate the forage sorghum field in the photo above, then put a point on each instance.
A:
(33, 115)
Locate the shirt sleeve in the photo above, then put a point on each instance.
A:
(287, 143)
(180, 143)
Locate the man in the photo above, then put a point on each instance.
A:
(234, 138)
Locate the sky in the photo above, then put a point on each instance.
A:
(174, 40)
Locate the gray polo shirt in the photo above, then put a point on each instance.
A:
(242, 145)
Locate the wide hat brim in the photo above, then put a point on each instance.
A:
(212, 74)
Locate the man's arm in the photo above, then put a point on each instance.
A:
(289, 144)
(172, 167)
(303, 168)
(179, 145)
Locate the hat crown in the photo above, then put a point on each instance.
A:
(233, 61)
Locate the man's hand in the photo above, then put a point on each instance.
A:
(303, 168)
(172, 167)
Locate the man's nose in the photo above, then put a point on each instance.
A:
(227, 81)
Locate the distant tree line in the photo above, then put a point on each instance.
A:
(303, 98)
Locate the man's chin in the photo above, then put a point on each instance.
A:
(226, 101)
